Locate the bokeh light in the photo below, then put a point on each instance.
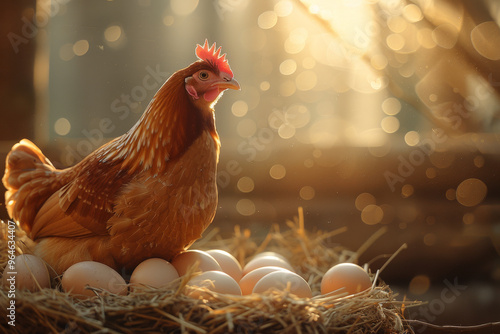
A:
(372, 214)
(412, 138)
(296, 41)
(471, 192)
(283, 8)
(419, 285)
(430, 173)
(485, 38)
(245, 207)
(239, 108)
(397, 24)
(267, 20)
(391, 106)
(286, 131)
(288, 67)
(390, 124)
(379, 62)
(468, 218)
(451, 194)
(113, 33)
(81, 47)
(264, 85)
(407, 190)
(307, 193)
(245, 184)
(364, 199)
(395, 42)
(277, 171)
(479, 161)
(412, 13)
(62, 126)
(445, 35)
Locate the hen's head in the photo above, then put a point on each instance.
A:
(211, 76)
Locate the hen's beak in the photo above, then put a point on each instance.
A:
(227, 84)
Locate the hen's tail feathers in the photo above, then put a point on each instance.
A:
(30, 179)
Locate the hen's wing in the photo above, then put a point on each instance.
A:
(84, 205)
(52, 221)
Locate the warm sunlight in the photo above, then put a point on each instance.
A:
(358, 133)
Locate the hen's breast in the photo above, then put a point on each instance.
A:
(159, 215)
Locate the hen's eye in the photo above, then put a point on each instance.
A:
(203, 75)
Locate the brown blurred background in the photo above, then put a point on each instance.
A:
(366, 113)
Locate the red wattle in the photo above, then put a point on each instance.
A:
(211, 94)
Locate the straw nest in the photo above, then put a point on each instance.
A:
(170, 310)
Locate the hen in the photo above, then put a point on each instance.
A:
(149, 193)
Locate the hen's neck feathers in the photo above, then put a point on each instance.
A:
(170, 124)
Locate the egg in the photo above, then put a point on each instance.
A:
(189, 258)
(283, 280)
(95, 274)
(248, 281)
(28, 272)
(216, 281)
(228, 263)
(269, 253)
(153, 272)
(266, 261)
(349, 277)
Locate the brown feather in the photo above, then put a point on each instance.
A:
(162, 216)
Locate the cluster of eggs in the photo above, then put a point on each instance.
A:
(220, 272)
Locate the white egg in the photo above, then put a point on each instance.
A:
(269, 253)
(154, 272)
(85, 274)
(216, 281)
(193, 257)
(248, 281)
(345, 277)
(284, 280)
(228, 263)
(26, 272)
(266, 261)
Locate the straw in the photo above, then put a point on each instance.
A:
(171, 310)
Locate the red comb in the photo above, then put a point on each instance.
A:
(213, 56)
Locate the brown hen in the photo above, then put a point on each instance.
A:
(149, 193)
